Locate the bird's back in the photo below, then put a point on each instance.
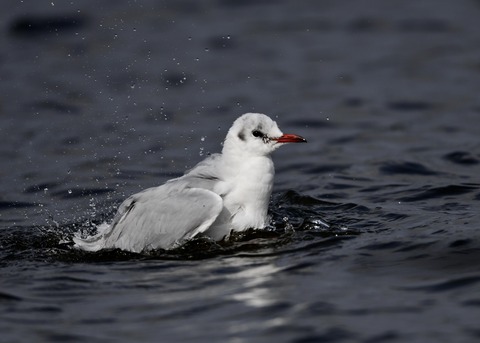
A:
(163, 217)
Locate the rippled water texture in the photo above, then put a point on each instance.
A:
(374, 234)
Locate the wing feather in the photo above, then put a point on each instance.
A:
(159, 218)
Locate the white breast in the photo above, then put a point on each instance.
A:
(246, 195)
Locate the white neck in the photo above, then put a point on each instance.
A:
(250, 179)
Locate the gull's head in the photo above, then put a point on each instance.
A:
(257, 134)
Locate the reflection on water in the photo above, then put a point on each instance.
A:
(255, 291)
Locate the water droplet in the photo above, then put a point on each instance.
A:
(202, 139)
(69, 191)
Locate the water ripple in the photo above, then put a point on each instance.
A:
(440, 192)
(410, 168)
(448, 285)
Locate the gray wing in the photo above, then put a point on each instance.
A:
(162, 218)
(204, 175)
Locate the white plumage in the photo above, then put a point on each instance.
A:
(224, 192)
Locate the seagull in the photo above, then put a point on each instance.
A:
(225, 192)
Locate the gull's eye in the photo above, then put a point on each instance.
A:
(257, 133)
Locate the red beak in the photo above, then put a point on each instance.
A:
(289, 138)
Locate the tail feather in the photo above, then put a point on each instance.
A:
(95, 242)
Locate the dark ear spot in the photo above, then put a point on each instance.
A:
(241, 135)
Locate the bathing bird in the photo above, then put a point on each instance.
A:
(226, 192)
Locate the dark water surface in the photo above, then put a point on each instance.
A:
(102, 99)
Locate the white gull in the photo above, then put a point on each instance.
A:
(223, 193)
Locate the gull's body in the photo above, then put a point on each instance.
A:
(224, 192)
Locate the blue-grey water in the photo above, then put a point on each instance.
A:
(101, 99)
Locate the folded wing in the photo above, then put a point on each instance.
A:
(157, 218)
